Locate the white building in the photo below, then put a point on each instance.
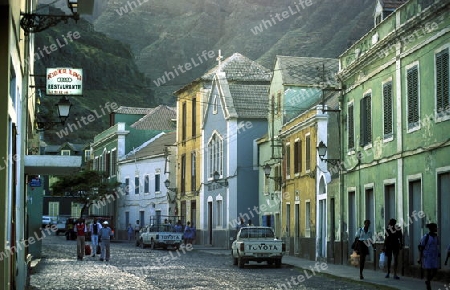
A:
(142, 173)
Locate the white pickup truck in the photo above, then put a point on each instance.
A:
(159, 236)
(258, 244)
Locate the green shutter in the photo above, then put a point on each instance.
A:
(413, 96)
(442, 81)
(351, 128)
(387, 105)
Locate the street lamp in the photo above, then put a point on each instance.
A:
(267, 170)
(322, 151)
(63, 107)
(216, 179)
(167, 185)
(173, 189)
(33, 22)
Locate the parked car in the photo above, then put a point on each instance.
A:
(255, 243)
(159, 236)
(61, 224)
(48, 220)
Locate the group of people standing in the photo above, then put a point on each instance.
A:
(100, 236)
(393, 243)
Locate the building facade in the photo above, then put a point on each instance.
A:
(395, 138)
(234, 118)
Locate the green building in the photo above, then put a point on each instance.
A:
(396, 127)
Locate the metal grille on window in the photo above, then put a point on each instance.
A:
(413, 97)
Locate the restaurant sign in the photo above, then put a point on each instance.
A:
(64, 81)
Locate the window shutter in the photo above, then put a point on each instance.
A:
(351, 127)
(442, 81)
(387, 99)
(413, 97)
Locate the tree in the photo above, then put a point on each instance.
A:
(85, 187)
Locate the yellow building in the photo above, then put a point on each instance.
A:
(189, 151)
(297, 92)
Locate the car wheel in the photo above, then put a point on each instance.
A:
(152, 245)
(278, 262)
(241, 262)
(270, 262)
(141, 242)
(137, 243)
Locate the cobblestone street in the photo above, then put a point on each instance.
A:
(131, 267)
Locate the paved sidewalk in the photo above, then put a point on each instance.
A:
(349, 272)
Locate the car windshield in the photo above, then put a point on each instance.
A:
(257, 233)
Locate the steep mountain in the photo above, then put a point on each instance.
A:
(166, 34)
(138, 52)
(109, 75)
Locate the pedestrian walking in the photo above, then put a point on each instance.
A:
(393, 243)
(429, 253)
(137, 228)
(187, 234)
(130, 231)
(105, 235)
(364, 236)
(80, 229)
(94, 229)
(178, 227)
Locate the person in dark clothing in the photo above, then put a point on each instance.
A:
(393, 243)
(365, 241)
(429, 254)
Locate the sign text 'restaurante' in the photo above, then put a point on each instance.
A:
(64, 81)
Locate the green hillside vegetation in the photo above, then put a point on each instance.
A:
(163, 34)
(109, 75)
(133, 43)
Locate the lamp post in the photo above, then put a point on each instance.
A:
(277, 179)
(63, 107)
(216, 179)
(173, 189)
(322, 151)
(34, 22)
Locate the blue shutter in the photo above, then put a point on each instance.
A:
(264, 221)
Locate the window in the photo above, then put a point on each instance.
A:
(442, 82)
(183, 122)
(157, 182)
(136, 185)
(351, 127)
(215, 104)
(75, 209)
(87, 155)
(288, 159)
(308, 218)
(96, 163)
(113, 162)
(193, 172)
(366, 120)
(53, 208)
(65, 152)
(412, 88)
(278, 177)
(183, 174)
(146, 183)
(127, 186)
(298, 156)
(219, 213)
(215, 155)
(108, 164)
(308, 153)
(387, 112)
(194, 117)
